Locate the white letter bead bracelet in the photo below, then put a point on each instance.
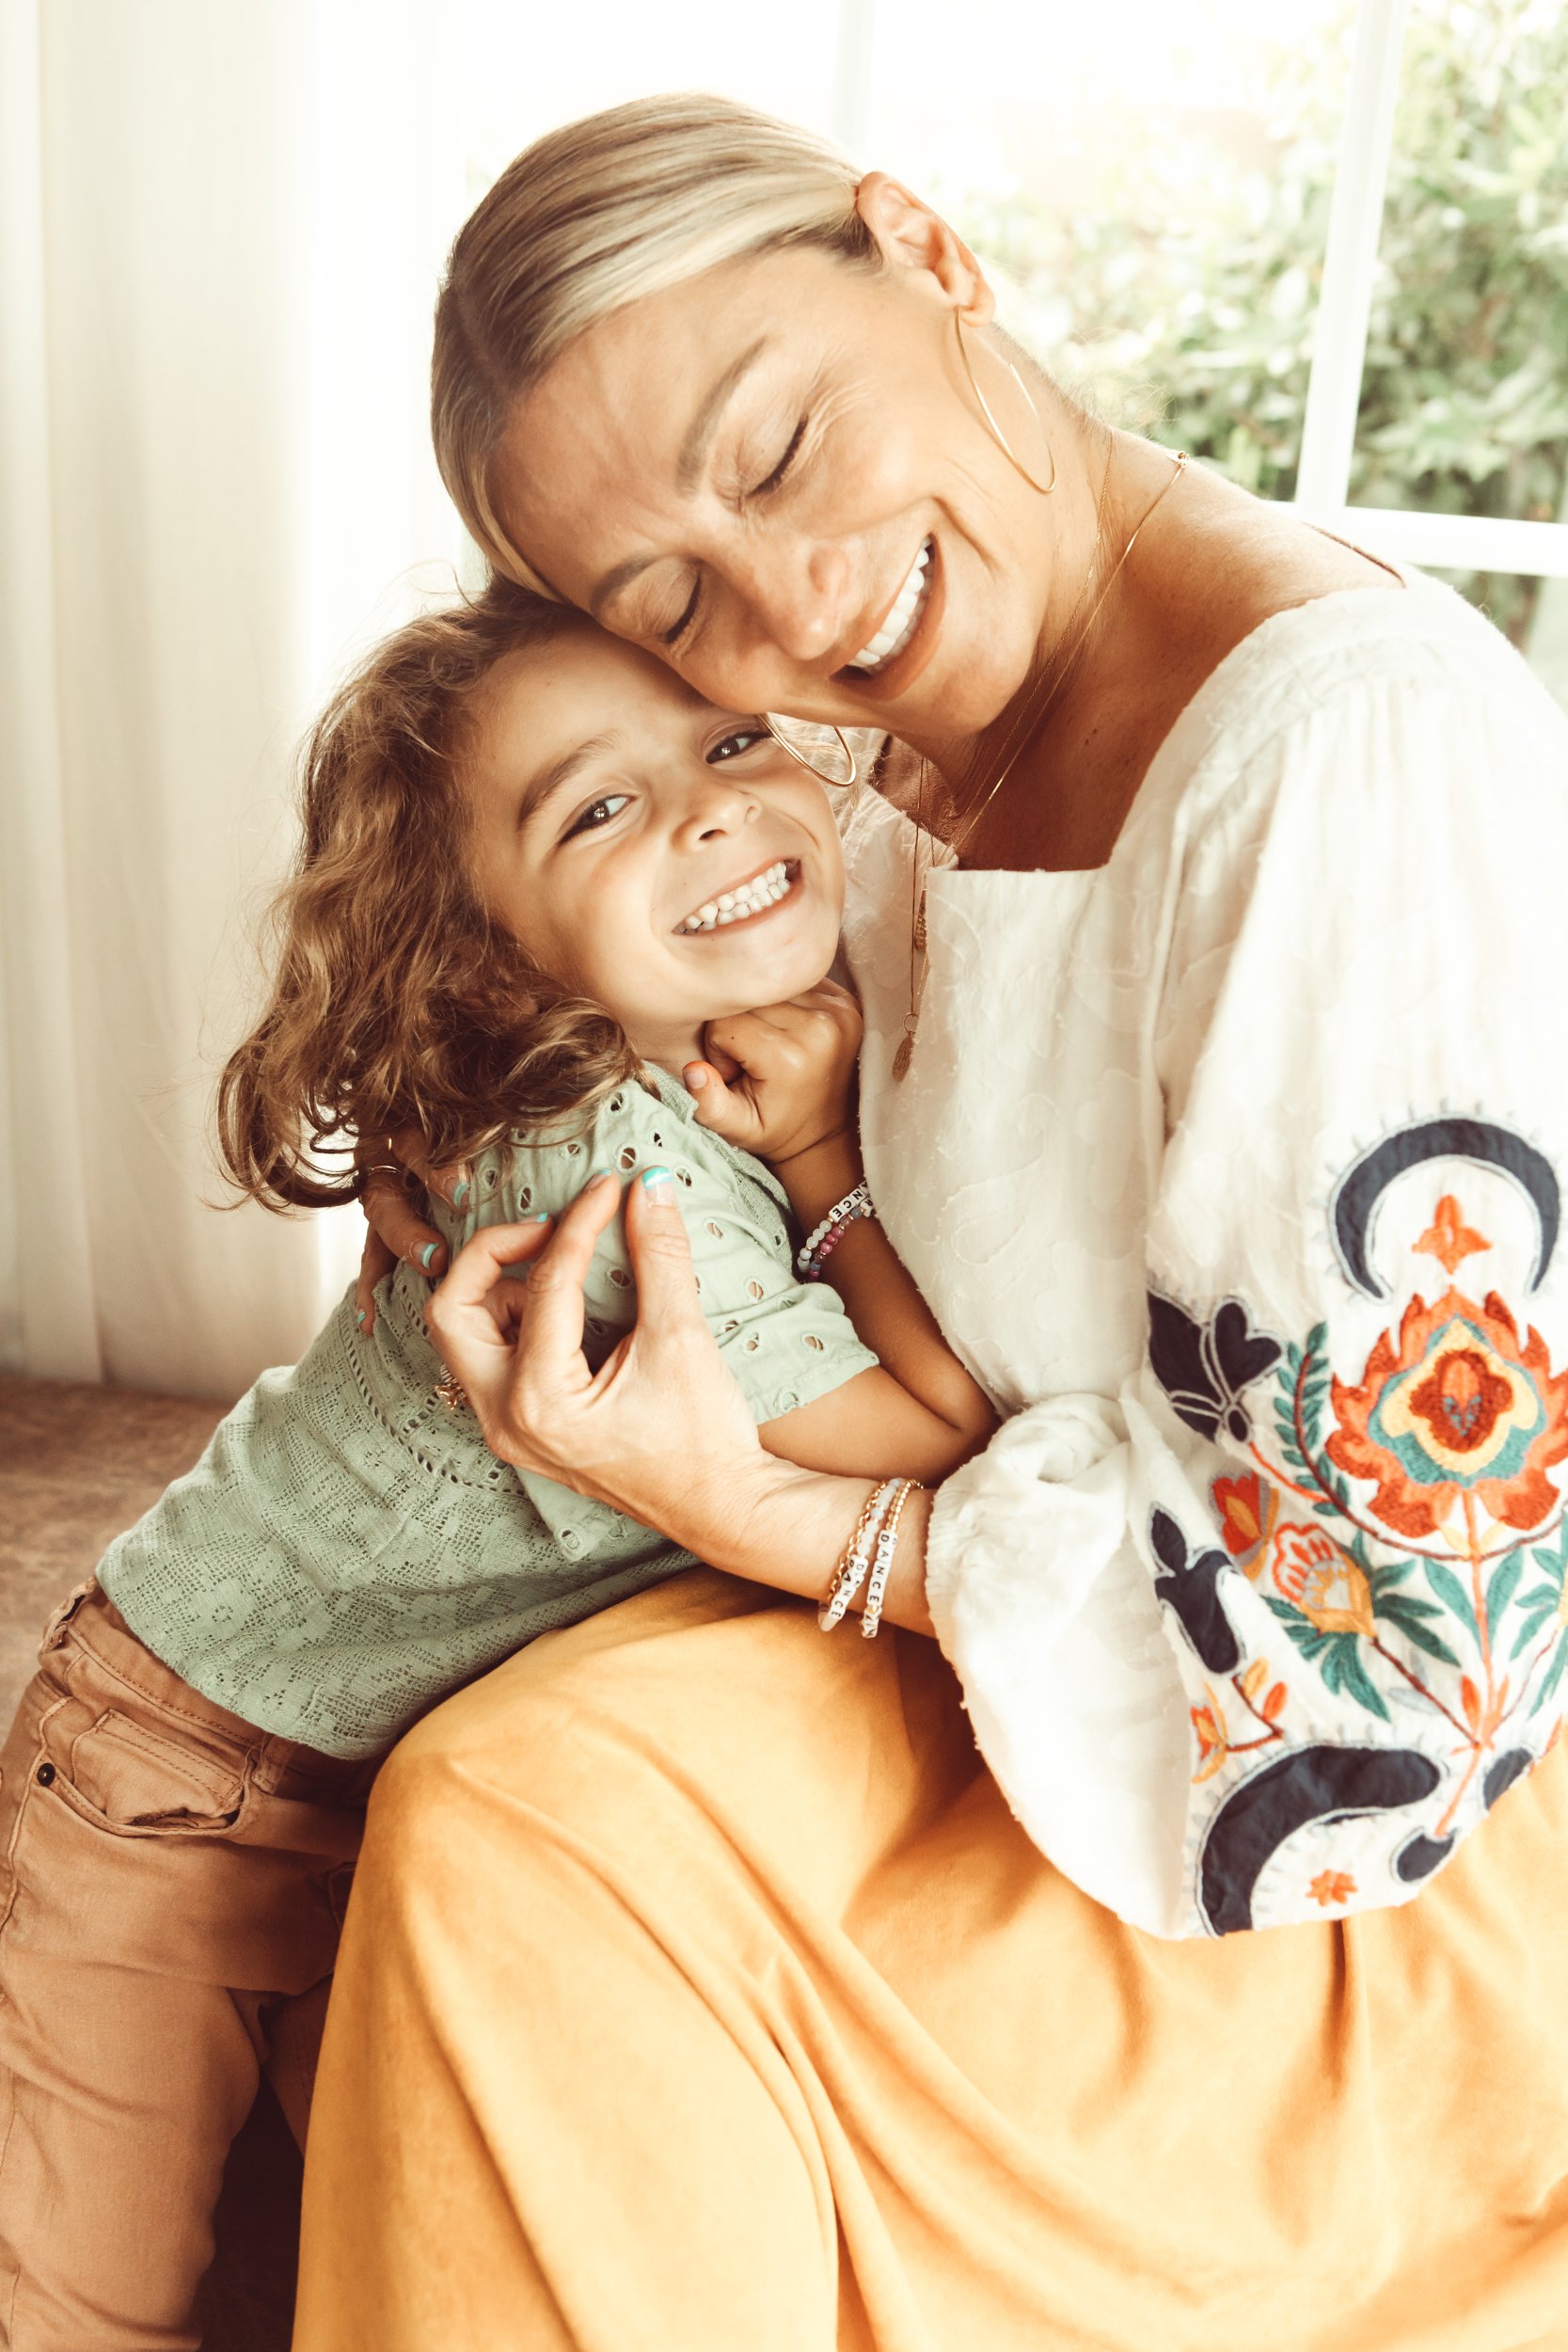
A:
(870, 1548)
(823, 1240)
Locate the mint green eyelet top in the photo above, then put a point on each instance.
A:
(347, 1551)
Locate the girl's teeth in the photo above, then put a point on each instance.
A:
(732, 906)
(890, 638)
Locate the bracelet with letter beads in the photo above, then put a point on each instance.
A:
(854, 1203)
(851, 1572)
(887, 1542)
(818, 1267)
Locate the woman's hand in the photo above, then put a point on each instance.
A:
(661, 1431)
(781, 1080)
(397, 1173)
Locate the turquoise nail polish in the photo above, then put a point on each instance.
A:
(460, 1192)
(359, 1318)
(599, 1175)
(656, 1179)
(540, 1216)
(427, 1255)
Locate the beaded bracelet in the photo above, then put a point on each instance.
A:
(823, 1240)
(851, 1572)
(882, 1566)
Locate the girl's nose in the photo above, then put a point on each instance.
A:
(717, 804)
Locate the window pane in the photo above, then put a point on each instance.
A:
(1154, 181)
(1465, 399)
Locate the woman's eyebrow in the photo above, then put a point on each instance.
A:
(549, 781)
(688, 465)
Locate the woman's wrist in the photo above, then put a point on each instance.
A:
(794, 1527)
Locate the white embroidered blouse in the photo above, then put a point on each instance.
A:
(1232, 1169)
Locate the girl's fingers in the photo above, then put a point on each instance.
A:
(724, 1110)
(406, 1234)
(405, 1150)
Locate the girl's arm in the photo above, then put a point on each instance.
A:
(922, 1414)
(789, 1099)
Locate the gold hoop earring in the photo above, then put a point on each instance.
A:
(1006, 448)
(821, 774)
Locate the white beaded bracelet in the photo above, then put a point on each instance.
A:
(850, 1573)
(809, 1257)
(882, 1564)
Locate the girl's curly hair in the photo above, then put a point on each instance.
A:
(398, 1000)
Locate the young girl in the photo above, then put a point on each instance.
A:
(539, 877)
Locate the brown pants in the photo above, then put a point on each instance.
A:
(172, 1882)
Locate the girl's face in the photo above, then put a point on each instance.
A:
(777, 480)
(666, 858)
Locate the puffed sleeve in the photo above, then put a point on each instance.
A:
(1264, 1636)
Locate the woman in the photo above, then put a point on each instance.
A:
(699, 1987)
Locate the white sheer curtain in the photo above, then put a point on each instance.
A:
(222, 231)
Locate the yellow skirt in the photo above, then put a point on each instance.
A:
(700, 1995)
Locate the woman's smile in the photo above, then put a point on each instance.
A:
(907, 639)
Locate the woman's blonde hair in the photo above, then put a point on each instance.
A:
(399, 1000)
(594, 215)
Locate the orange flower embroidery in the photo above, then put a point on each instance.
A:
(1246, 1508)
(1459, 1405)
(1332, 1886)
(1448, 1239)
(1212, 1746)
(1323, 1581)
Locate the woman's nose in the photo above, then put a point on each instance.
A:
(798, 593)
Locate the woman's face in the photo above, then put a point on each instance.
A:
(776, 479)
(666, 858)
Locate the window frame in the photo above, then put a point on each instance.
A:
(1461, 543)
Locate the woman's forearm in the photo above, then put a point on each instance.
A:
(796, 1530)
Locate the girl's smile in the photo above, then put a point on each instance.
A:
(670, 860)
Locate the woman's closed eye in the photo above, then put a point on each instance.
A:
(597, 814)
(774, 481)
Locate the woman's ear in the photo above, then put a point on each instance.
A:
(912, 237)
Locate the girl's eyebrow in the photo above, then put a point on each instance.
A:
(549, 781)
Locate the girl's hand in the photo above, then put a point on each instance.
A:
(661, 1431)
(781, 1080)
(398, 1172)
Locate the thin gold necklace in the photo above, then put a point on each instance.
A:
(1023, 734)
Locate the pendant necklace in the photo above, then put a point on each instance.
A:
(1019, 739)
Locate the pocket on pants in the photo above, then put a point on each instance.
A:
(127, 1776)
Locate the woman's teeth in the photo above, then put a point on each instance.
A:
(733, 906)
(898, 627)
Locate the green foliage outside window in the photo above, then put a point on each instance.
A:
(1182, 300)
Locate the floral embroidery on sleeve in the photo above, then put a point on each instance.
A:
(1396, 1525)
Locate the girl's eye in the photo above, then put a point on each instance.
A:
(744, 739)
(597, 814)
(775, 479)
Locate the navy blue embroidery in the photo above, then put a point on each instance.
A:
(1360, 1191)
(1204, 1369)
(1320, 1784)
(1192, 1589)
